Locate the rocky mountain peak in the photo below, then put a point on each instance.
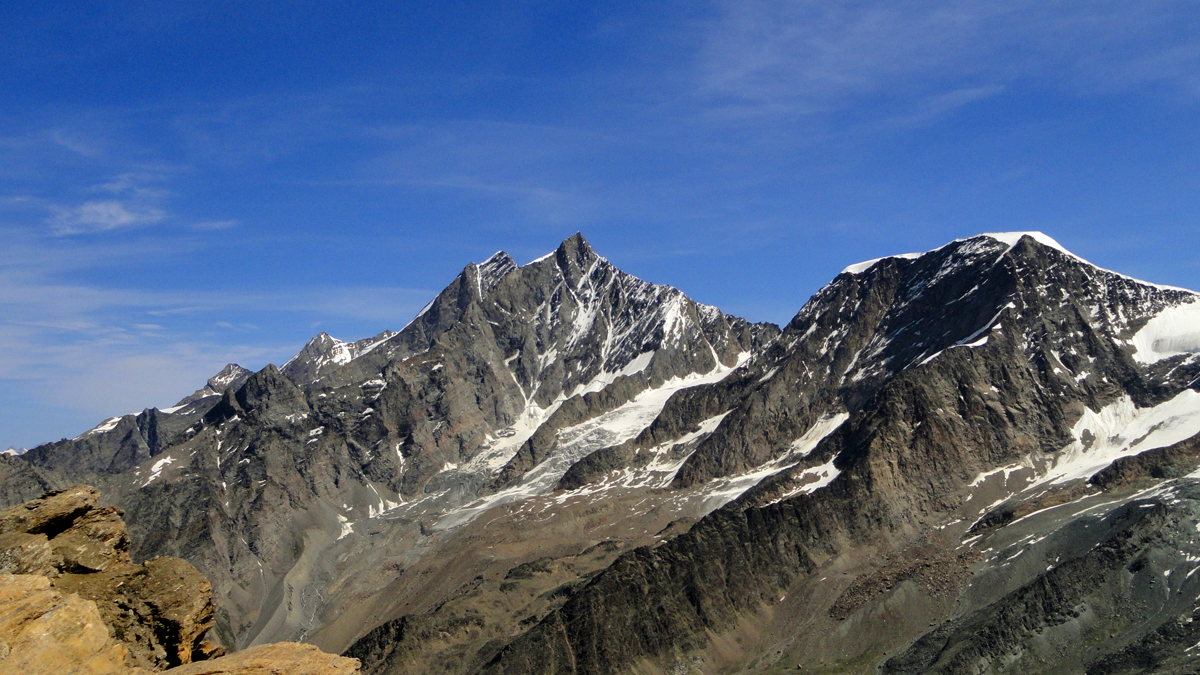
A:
(1021, 292)
(229, 377)
(270, 389)
(575, 258)
(990, 242)
(324, 354)
(491, 271)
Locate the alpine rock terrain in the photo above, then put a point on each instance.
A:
(983, 458)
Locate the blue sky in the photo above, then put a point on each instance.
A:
(187, 184)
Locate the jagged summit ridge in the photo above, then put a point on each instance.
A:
(560, 297)
(325, 353)
(1010, 238)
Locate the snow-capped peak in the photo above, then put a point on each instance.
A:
(1010, 238)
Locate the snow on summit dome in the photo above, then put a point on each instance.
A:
(1010, 238)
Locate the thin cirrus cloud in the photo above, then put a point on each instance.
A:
(132, 184)
(79, 353)
(102, 216)
(801, 56)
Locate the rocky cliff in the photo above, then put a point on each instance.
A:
(73, 601)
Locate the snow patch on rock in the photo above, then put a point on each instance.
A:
(107, 425)
(1121, 429)
(157, 468)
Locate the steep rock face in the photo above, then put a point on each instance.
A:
(651, 601)
(1072, 319)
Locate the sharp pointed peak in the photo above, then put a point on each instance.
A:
(575, 250)
(574, 246)
(576, 242)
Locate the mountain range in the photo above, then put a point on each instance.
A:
(982, 458)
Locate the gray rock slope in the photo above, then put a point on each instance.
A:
(976, 459)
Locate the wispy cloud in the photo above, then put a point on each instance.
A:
(70, 141)
(102, 216)
(134, 204)
(101, 351)
(541, 169)
(133, 184)
(802, 56)
(933, 108)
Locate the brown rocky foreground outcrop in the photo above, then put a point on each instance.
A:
(43, 630)
(279, 658)
(72, 601)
